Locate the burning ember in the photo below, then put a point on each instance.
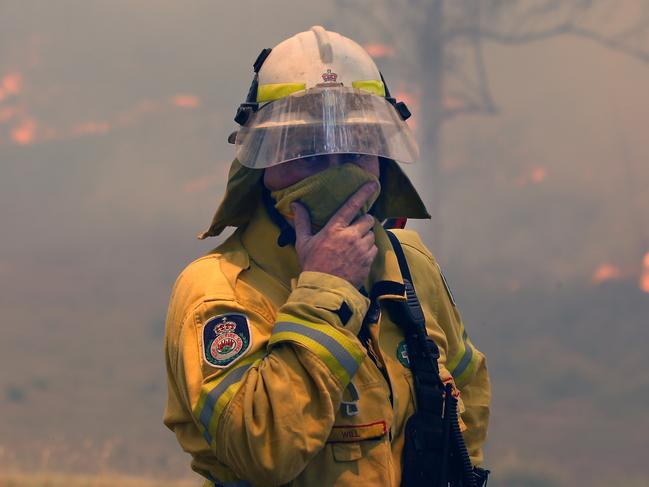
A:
(185, 101)
(10, 84)
(644, 277)
(536, 176)
(606, 272)
(24, 133)
(379, 50)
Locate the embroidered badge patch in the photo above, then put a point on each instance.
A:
(402, 354)
(226, 338)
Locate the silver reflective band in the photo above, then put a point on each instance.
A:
(338, 351)
(466, 358)
(208, 408)
(324, 120)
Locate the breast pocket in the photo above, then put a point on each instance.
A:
(365, 411)
(357, 451)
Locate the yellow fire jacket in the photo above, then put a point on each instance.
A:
(271, 380)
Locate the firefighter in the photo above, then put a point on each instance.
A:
(284, 363)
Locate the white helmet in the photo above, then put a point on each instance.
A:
(319, 92)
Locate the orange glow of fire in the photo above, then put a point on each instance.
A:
(25, 132)
(24, 129)
(606, 272)
(377, 50)
(10, 84)
(644, 277)
(536, 176)
(184, 100)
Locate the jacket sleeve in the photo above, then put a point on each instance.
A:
(270, 411)
(468, 368)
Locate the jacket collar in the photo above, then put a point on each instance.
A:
(259, 238)
(385, 280)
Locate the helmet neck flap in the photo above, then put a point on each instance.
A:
(244, 195)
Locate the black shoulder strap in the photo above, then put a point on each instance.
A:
(401, 257)
(415, 313)
(422, 350)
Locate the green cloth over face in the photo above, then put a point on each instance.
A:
(325, 192)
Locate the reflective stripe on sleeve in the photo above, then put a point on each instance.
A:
(462, 365)
(341, 355)
(216, 394)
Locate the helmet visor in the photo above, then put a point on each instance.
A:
(324, 120)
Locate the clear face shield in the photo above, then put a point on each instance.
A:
(324, 120)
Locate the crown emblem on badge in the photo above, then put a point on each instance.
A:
(329, 77)
(225, 327)
(226, 338)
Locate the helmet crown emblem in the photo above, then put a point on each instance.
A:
(329, 77)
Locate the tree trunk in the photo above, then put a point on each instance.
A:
(431, 68)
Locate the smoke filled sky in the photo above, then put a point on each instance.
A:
(570, 127)
(113, 156)
(570, 141)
